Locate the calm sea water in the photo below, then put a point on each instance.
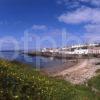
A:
(35, 61)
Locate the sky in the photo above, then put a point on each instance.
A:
(48, 23)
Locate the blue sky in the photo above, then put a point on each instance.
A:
(80, 18)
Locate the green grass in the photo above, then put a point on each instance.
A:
(18, 82)
(95, 83)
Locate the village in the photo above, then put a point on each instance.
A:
(75, 49)
(85, 68)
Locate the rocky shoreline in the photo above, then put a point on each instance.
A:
(57, 69)
(81, 72)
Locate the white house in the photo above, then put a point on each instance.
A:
(81, 51)
(76, 49)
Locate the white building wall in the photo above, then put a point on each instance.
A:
(81, 51)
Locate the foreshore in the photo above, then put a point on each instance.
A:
(81, 72)
(76, 71)
(78, 68)
(57, 69)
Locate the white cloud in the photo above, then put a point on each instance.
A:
(92, 32)
(88, 17)
(68, 3)
(93, 28)
(39, 27)
(95, 3)
(91, 37)
(81, 15)
(92, 2)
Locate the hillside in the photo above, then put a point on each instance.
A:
(18, 82)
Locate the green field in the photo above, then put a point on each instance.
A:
(18, 82)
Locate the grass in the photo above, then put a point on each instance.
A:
(18, 82)
(98, 71)
(95, 83)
